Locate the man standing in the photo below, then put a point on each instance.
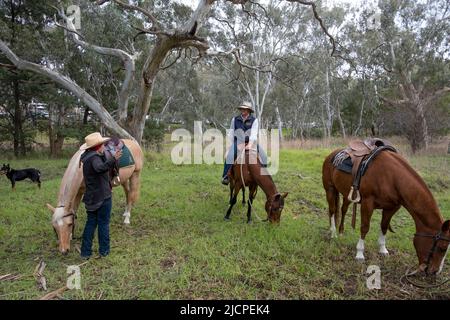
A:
(97, 197)
(243, 130)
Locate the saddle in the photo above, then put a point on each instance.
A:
(111, 147)
(361, 154)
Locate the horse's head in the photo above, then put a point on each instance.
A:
(431, 249)
(274, 206)
(63, 222)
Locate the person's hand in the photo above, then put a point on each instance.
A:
(240, 146)
(118, 154)
(249, 146)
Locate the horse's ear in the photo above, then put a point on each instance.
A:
(49, 206)
(284, 195)
(446, 226)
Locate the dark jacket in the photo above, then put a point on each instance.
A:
(96, 178)
(245, 126)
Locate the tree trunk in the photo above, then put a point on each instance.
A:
(341, 123)
(420, 136)
(19, 141)
(85, 115)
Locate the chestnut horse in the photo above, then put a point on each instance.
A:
(389, 183)
(72, 189)
(251, 174)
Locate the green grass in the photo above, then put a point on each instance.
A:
(179, 247)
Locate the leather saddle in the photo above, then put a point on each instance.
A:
(111, 147)
(361, 153)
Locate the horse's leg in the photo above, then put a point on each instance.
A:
(385, 221)
(233, 200)
(333, 204)
(251, 195)
(132, 189)
(243, 196)
(344, 209)
(367, 207)
(231, 190)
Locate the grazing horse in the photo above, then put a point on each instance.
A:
(252, 174)
(72, 189)
(389, 183)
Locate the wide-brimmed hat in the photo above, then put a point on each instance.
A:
(92, 140)
(246, 105)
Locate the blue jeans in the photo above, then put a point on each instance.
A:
(99, 217)
(232, 155)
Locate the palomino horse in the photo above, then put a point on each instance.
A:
(72, 189)
(389, 183)
(252, 174)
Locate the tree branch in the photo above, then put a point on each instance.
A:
(68, 84)
(318, 18)
(148, 14)
(127, 59)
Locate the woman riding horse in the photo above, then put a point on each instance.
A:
(243, 130)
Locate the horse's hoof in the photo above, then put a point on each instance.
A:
(249, 221)
(126, 221)
(359, 257)
(226, 219)
(384, 252)
(334, 235)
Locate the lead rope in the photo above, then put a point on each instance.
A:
(409, 274)
(243, 185)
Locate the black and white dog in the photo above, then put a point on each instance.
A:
(18, 175)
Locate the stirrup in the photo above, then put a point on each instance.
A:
(116, 181)
(350, 195)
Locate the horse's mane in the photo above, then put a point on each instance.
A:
(66, 192)
(413, 173)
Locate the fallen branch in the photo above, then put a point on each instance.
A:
(54, 294)
(39, 275)
(10, 277)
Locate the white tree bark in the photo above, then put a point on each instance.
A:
(68, 84)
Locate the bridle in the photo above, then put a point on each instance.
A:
(64, 216)
(436, 238)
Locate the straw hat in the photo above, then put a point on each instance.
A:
(92, 140)
(246, 105)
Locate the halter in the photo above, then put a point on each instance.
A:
(436, 238)
(64, 216)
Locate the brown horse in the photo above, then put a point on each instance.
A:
(72, 189)
(389, 183)
(251, 174)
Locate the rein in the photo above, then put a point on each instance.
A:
(436, 238)
(408, 274)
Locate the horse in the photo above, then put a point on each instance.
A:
(72, 189)
(250, 173)
(389, 183)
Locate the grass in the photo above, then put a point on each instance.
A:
(179, 247)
